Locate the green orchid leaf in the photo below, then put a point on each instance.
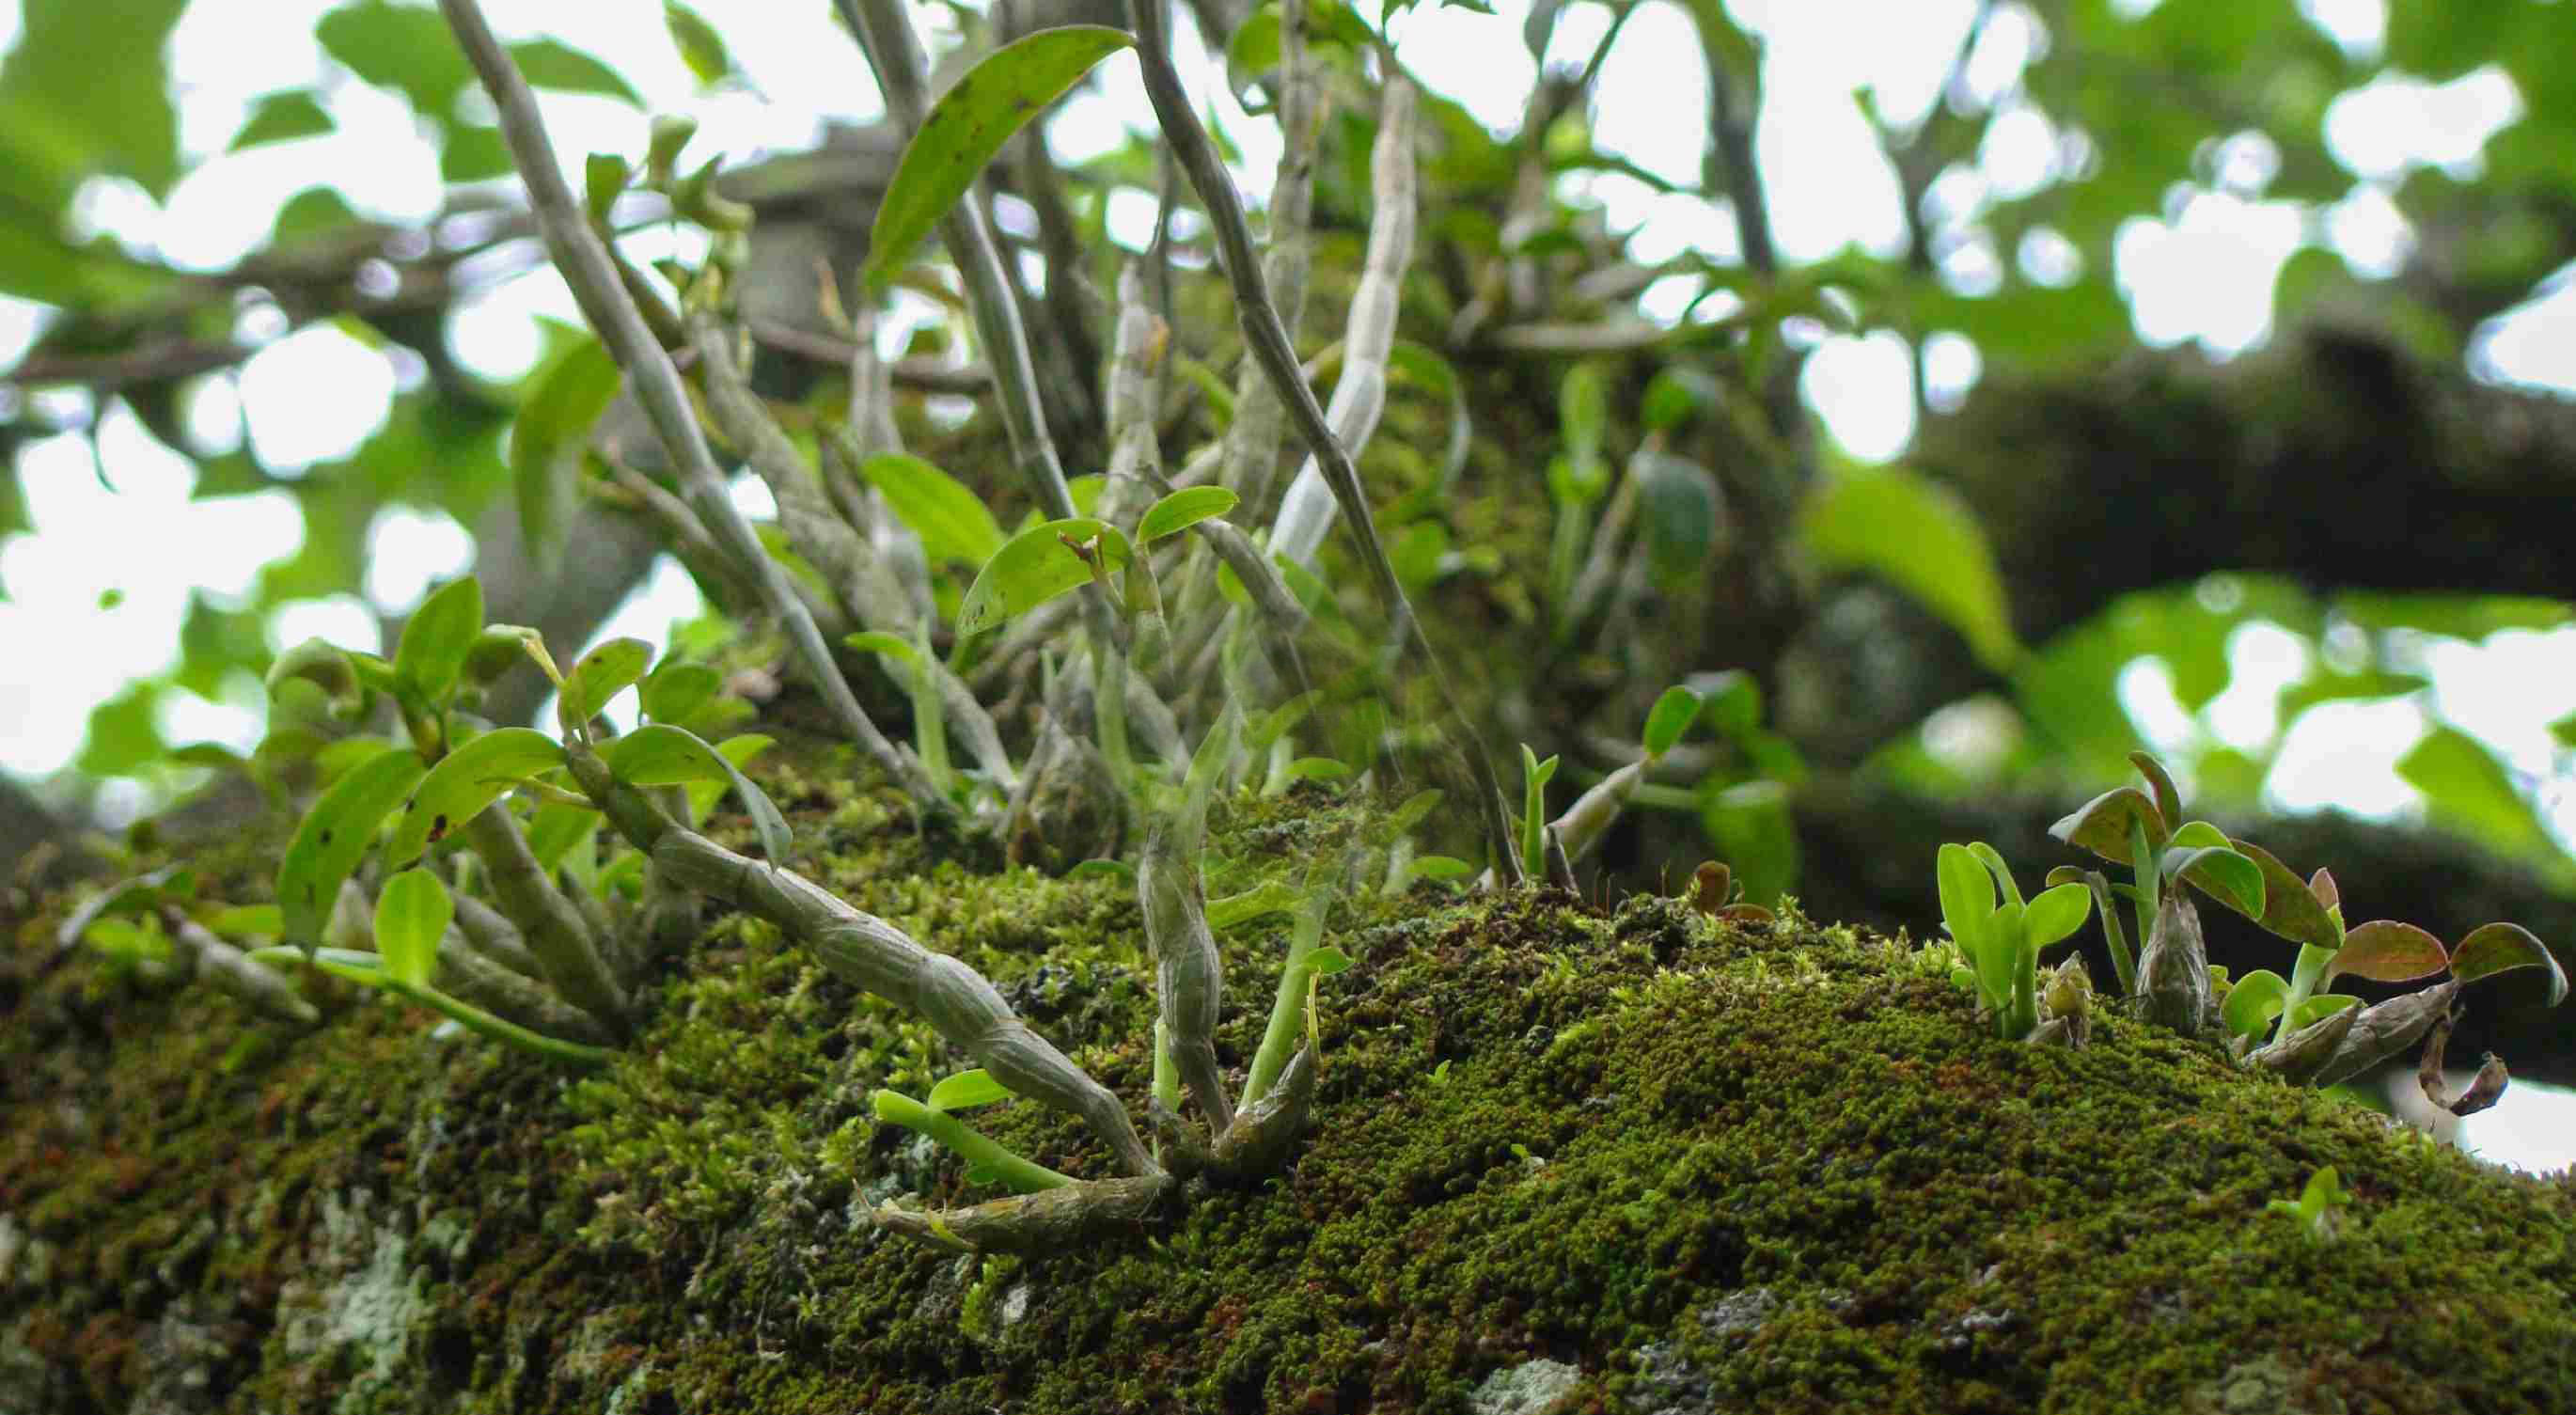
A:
(967, 1089)
(1668, 719)
(2221, 873)
(464, 782)
(2101, 825)
(335, 833)
(411, 912)
(1275, 897)
(1103, 869)
(663, 755)
(2320, 1007)
(701, 48)
(893, 646)
(953, 523)
(2386, 951)
(1327, 961)
(677, 692)
(248, 921)
(979, 113)
(1967, 898)
(1923, 537)
(435, 641)
(602, 674)
(1183, 509)
(2197, 835)
(2058, 912)
(2289, 908)
(2495, 948)
(2252, 1002)
(1993, 860)
(1035, 566)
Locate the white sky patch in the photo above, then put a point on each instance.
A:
(2528, 345)
(342, 619)
(2208, 273)
(2394, 124)
(2262, 659)
(314, 396)
(2343, 756)
(408, 550)
(1862, 389)
(665, 597)
(2532, 1128)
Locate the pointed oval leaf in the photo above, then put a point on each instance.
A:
(2197, 835)
(2386, 951)
(464, 782)
(2289, 910)
(1993, 860)
(2322, 885)
(1668, 719)
(602, 673)
(677, 692)
(893, 646)
(2057, 912)
(1922, 536)
(2101, 825)
(2005, 946)
(1327, 961)
(969, 124)
(2494, 948)
(1183, 509)
(1035, 566)
(701, 48)
(2168, 800)
(664, 755)
(437, 637)
(966, 1090)
(953, 522)
(2322, 1006)
(411, 912)
(335, 833)
(2252, 1002)
(2221, 873)
(1967, 897)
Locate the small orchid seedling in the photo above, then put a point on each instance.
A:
(2170, 974)
(2000, 942)
(2316, 1203)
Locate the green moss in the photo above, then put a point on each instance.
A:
(1773, 1169)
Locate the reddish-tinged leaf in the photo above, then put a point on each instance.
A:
(2289, 910)
(2495, 948)
(2322, 885)
(2102, 824)
(2386, 951)
(2168, 800)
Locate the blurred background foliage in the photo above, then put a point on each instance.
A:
(2179, 378)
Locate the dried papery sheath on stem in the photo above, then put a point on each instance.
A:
(589, 269)
(1059, 1220)
(2384, 1029)
(869, 952)
(1189, 975)
(2173, 969)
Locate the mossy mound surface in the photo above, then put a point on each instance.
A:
(1567, 1158)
